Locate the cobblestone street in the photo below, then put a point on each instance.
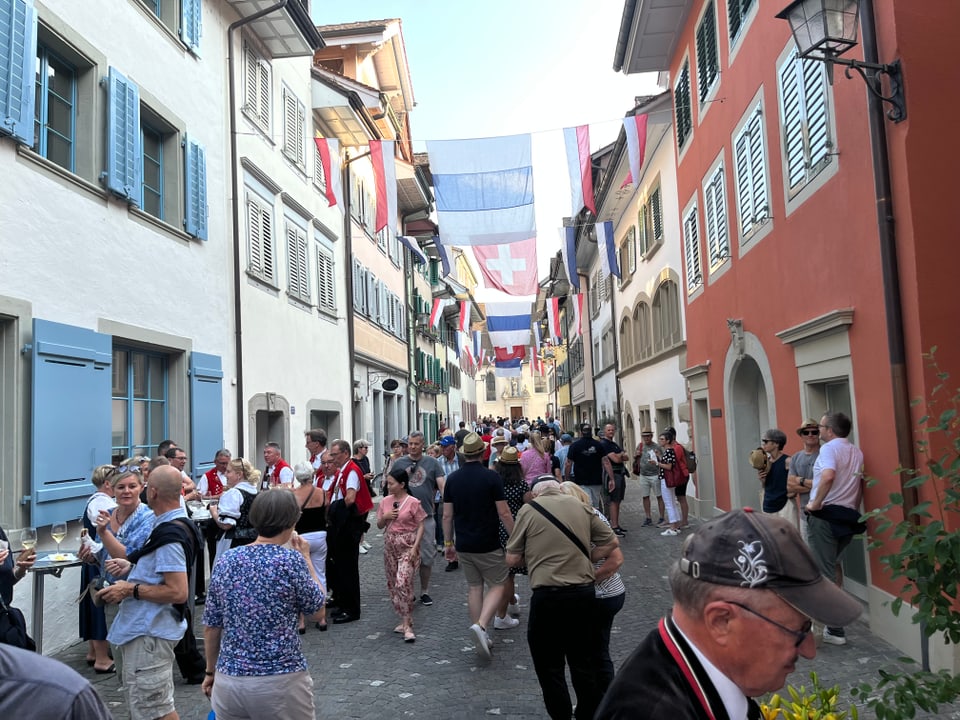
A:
(364, 670)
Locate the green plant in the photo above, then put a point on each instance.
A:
(819, 704)
(926, 556)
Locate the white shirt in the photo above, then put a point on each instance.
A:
(231, 500)
(353, 483)
(202, 483)
(731, 696)
(286, 475)
(846, 461)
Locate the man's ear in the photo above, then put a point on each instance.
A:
(718, 620)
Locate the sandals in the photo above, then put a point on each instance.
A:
(408, 636)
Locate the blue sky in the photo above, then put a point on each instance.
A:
(499, 68)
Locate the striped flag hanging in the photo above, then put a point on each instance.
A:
(607, 249)
(508, 323)
(329, 150)
(568, 249)
(578, 312)
(635, 128)
(478, 347)
(553, 319)
(508, 361)
(438, 305)
(413, 246)
(385, 179)
(577, 142)
(465, 316)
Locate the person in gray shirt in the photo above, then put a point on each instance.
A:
(36, 686)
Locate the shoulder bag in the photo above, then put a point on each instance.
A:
(560, 526)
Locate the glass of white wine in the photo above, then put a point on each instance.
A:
(28, 538)
(58, 531)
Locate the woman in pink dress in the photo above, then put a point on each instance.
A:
(402, 515)
(535, 460)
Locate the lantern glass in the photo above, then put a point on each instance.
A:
(822, 29)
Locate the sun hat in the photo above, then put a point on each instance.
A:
(499, 438)
(743, 548)
(646, 431)
(473, 444)
(509, 456)
(808, 424)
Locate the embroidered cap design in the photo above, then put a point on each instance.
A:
(750, 564)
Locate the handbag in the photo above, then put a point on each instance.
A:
(13, 628)
(674, 477)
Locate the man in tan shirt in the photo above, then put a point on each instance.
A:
(562, 578)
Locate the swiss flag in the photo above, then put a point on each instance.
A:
(511, 353)
(509, 268)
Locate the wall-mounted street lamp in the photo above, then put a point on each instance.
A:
(825, 29)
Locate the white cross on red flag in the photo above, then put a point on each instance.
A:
(509, 268)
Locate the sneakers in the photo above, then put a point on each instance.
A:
(363, 550)
(661, 522)
(647, 523)
(834, 638)
(670, 531)
(366, 545)
(426, 599)
(505, 623)
(480, 640)
(619, 532)
(513, 608)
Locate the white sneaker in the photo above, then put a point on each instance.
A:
(505, 623)
(482, 643)
(829, 637)
(670, 531)
(365, 545)
(363, 550)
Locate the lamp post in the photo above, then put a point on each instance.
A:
(825, 29)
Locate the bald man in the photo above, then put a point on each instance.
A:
(152, 617)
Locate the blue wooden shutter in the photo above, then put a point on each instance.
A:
(71, 397)
(195, 189)
(190, 22)
(18, 56)
(206, 410)
(123, 137)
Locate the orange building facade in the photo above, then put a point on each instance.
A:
(787, 300)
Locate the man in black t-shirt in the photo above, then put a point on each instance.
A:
(589, 463)
(461, 434)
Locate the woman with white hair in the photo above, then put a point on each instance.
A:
(312, 527)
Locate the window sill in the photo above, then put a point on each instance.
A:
(263, 284)
(60, 174)
(148, 220)
(652, 250)
(297, 166)
(299, 302)
(170, 33)
(258, 126)
(325, 313)
(652, 359)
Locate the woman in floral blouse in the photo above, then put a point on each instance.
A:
(255, 665)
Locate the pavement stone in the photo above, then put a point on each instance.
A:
(363, 670)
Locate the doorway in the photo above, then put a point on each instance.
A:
(750, 417)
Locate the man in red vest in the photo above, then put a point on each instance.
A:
(278, 471)
(350, 502)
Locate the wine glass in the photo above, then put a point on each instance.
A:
(58, 531)
(28, 537)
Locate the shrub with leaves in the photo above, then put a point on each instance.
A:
(819, 704)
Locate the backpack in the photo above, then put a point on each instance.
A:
(691, 458)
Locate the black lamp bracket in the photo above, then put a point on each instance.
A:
(871, 72)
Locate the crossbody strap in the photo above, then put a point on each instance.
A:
(560, 526)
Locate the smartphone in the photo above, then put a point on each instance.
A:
(396, 505)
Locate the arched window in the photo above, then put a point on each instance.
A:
(626, 343)
(643, 348)
(491, 386)
(666, 316)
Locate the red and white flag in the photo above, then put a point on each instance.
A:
(578, 312)
(636, 131)
(465, 317)
(385, 179)
(438, 305)
(553, 319)
(329, 151)
(515, 352)
(577, 142)
(509, 268)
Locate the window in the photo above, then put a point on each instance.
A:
(539, 383)
(737, 11)
(626, 343)
(805, 120)
(160, 188)
(294, 122)
(55, 108)
(643, 418)
(750, 162)
(628, 255)
(260, 239)
(359, 287)
(491, 387)
(326, 289)
(651, 224)
(666, 317)
(319, 175)
(708, 62)
(298, 275)
(681, 100)
(642, 343)
(256, 88)
(152, 187)
(691, 248)
(181, 17)
(715, 214)
(139, 402)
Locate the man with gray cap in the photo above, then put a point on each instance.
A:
(744, 591)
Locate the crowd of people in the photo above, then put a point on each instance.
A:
(501, 499)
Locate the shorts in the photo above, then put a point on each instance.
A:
(681, 490)
(619, 488)
(595, 492)
(289, 695)
(489, 567)
(649, 485)
(428, 544)
(148, 676)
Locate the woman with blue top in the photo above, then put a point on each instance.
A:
(255, 665)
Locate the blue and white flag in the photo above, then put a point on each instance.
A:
(568, 250)
(419, 256)
(508, 323)
(607, 249)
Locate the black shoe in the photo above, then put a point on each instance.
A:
(345, 618)
(619, 532)
(451, 566)
(426, 599)
(200, 599)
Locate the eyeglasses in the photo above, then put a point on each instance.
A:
(764, 440)
(813, 433)
(800, 634)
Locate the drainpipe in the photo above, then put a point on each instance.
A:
(896, 347)
(616, 344)
(235, 205)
